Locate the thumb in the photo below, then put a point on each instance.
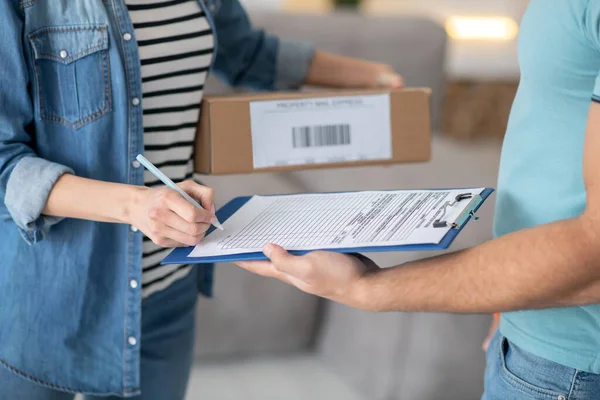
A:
(486, 344)
(283, 261)
(277, 254)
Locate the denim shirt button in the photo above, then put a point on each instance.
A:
(63, 54)
(133, 284)
(134, 229)
(127, 37)
(136, 164)
(132, 341)
(135, 101)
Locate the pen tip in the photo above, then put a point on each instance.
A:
(217, 224)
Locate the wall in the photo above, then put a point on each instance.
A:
(439, 7)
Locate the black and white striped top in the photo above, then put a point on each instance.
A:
(176, 46)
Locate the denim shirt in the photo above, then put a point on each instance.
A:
(69, 103)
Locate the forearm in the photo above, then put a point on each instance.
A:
(75, 197)
(553, 265)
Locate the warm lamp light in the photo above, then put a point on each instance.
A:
(481, 28)
(310, 6)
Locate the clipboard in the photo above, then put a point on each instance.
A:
(180, 255)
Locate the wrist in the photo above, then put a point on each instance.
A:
(131, 201)
(364, 292)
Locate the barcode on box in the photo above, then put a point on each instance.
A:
(321, 136)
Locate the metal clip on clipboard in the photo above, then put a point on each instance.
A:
(469, 212)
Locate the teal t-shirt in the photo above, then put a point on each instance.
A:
(541, 177)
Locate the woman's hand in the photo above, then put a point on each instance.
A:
(168, 219)
(161, 213)
(386, 77)
(330, 70)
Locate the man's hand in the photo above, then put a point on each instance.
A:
(334, 276)
(554, 265)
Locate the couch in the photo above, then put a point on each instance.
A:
(261, 339)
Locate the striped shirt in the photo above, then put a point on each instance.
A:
(176, 47)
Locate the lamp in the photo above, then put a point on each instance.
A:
(481, 28)
(310, 6)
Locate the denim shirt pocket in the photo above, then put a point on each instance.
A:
(72, 74)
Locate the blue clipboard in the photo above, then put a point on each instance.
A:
(180, 255)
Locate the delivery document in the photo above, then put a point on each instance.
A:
(339, 221)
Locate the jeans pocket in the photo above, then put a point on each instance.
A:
(72, 73)
(534, 376)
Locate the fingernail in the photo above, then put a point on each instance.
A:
(213, 210)
(398, 82)
(394, 81)
(268, 250)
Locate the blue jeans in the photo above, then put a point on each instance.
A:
(166, 352)
(514, 374)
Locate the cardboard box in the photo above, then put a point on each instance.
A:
(474, 109)
(297, 131)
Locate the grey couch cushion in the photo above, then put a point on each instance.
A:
(251, 315)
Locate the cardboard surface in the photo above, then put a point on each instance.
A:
(224, 137)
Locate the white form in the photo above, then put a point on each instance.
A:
(337, 220)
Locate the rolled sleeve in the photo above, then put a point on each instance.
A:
(293, 61)
(27, 192)
(25, 179)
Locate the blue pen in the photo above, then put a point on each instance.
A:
(171, 185)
